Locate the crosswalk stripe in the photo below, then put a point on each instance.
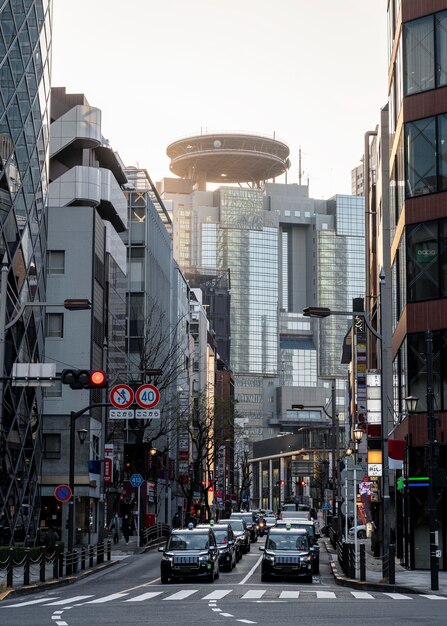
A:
(16, 606)
(68, 600)
(397, 596)
(362, 595)
(432, 596)
(217, 595)
(144, 596)
(325, 595)
(254, 594)
(181, 595)
(113, 596)
(289, 595)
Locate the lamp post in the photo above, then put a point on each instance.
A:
(386, 399)
(358, 434)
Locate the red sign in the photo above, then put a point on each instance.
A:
(147, 396)
(121, 396)
(108, 469)
(63, 493)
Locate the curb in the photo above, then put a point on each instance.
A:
(53, 584)
(343, 581)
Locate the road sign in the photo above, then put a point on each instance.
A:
(121, 396)
(121, 414)
(147, 414)
(63, 493)
(147, 396)
(326, 506)
(136, 480)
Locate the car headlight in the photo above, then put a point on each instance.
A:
(167, 557)
(309, 557)
(269, 557)
(203, 557)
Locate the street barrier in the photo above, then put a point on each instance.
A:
(154, 534)
(47, 566)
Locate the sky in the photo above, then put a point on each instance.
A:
(312, 72)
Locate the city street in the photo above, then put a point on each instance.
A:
(130, 592)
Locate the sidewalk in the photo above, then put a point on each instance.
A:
(407, 581)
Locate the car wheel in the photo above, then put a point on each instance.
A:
(309, 578)
(164, 580)
(361, 534)
(265, 578)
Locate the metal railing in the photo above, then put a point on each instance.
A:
(51, 565)
(154, 534)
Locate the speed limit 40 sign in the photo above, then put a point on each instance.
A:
(147, 396)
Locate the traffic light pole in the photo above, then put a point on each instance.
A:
(71, 503)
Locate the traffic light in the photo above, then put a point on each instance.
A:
(85, 379)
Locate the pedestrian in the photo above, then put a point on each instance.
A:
(50, 539)
(116, 527)
(127, 528)
(176, 521)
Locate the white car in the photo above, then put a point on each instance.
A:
(361, 532)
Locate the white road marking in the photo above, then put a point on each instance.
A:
(61, 623)
(217, 595)
(68, 600)
(144, 596)
(181, 595)
(244, 580)
(362, 595)
(246, 621)
(217, 610)
(432, 596)
(325, 595)
(113, 596)
(289, 595)
(397, 596)
(254, 594)
(227, 615)
(14, 606)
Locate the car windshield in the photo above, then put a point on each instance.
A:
(221, 536)
(187, 541)
(237, 524)
(270, 520)
(309, 527)
(247, 518)
(287, 541)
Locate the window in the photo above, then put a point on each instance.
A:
(51, 446)
(55, 391)
(425, 46)
(420, 140)
(54, 325)
(55, 262)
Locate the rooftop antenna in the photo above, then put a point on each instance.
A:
(300, 173)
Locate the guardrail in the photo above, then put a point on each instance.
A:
(51, 566)
(154, 534)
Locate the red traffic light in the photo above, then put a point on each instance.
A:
(85, 379)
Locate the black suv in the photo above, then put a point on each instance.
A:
(190, 553)
(249, 520)
(309, 526)
(226, 543)
(287, 553)
(241, 533)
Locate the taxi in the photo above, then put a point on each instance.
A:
(190, 553)
(287, 553)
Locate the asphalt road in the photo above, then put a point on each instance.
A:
(130, 593)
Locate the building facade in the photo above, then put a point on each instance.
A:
(25, 67)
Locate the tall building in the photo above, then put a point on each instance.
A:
(283, 251)
(25, 67)
(416, 127)
(86, 258)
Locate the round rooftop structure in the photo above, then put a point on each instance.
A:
(228, 157)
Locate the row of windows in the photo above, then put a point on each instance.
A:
(426, 260)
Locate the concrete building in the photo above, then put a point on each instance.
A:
(86, 259)
(25, 61)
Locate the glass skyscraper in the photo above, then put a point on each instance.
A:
(25, 63)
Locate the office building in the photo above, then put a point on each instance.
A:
(25, 64)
